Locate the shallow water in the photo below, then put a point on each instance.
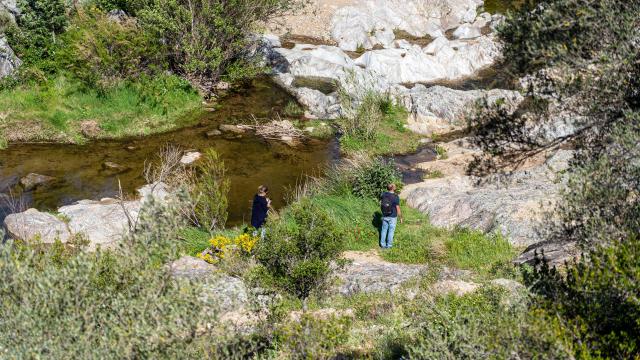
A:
(502, 6)
(250, 161)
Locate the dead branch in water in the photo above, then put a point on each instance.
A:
(279, 129)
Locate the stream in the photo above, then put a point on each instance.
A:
(249, 160)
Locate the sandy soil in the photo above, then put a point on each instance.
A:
(313, 21)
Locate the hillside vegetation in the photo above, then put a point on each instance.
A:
(108, 69)
(581, 59)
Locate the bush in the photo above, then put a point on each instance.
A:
(299, 248)
(103, 304)
(210, 40)
(35, 39)
(312, 338)
(371, 179)
(478, 326)
(598, 298)
(362, 119)
(101, 52)
(209, 192)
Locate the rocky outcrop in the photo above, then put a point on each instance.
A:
(372, 23)
(456, 287)
(511, 206)
(9, 62)
(441, 60)
(102, 223)
(555, 253)
(389, 64)
(438, 109)
(369, 274)
(224, 292)
(35, 225)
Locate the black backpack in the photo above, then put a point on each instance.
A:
(386, 205)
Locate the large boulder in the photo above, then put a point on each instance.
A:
(35, 225)
(511, 206)
(224, 292)
(438, 109)
(556, 253)
(9, 62)
(103, 222)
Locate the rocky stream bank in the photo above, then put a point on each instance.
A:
(404, 49)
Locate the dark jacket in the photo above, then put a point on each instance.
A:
(259, 211)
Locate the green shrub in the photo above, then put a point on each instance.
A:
(362, 119)
(299, 248)
(210, 40)
(371, 179)
(598, 299)
(477, 326)
(102, 53)
(312, 338)
(35, 39)
(103, 304)
(209, 192)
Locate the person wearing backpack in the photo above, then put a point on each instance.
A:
(390, 207)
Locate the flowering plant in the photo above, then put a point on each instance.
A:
(222, 245)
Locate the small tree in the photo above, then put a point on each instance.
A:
(207, 40)
(299, 248)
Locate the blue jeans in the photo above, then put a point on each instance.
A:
(262, 231)
(387, 231)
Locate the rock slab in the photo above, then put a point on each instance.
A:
(35, 225)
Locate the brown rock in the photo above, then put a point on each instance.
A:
(231, 129)
(34, 180)
(114, 167)
(90, 129)
(213, 133)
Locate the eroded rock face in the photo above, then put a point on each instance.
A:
(372, 23)
(35, 225)
(556, 253)
(511, 206)
(438, 109)
(9, 62)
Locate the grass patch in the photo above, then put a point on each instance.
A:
(391, 136)
(55, 109)
(293, 109)
(319, 128)
(481, 253)
(416, 241)
(433, 174)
